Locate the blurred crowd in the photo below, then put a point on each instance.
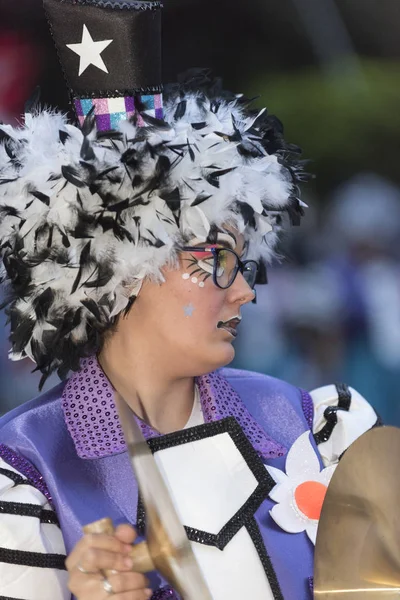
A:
(331, 309)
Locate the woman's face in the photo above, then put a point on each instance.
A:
(181, 320)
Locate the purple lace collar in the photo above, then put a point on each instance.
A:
(93, 422)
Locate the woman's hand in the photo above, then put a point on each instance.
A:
(95, 554)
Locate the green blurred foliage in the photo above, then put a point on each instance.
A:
(346, 120)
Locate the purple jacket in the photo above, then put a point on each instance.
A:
(69, 443)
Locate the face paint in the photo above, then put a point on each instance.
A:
(188, 310)
(194, 280)
(200, 267)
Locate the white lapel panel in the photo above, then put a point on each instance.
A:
(235, 572)
(209, 480)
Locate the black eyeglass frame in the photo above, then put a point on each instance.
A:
(241, 265)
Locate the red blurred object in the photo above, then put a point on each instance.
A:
(19, 71)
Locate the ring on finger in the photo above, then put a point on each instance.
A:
(107, 586)
(82, 569)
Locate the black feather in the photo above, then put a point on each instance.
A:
(172, 199)
(4, 181)
(87, 152)
(158, 243)
(71, 175)
(214, 176)
(42, 303)
(10, 151)
(129, 305)
(50, 238)
(295, 211)
(84, 226)
(42, 197)
(92, 307)
(54, 177)
(64, 238)
(83, 261)
(109, 135)
(130, 157)
(198, 126)
(104, 272)
(137, 181)
(105, 300)
(180, 110)
(191, 152)
(202, 197)
(104, 173)
(8, 211)
(152, 121)
(63, 135)
(90, 168)
(5, 137)
(262, 277)
(247, 213)
(21, 330)
(89, 123)
(163, 165)
(213, 234)
(110, 223)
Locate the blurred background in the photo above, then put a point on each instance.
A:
(329, 69)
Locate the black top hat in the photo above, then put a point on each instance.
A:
(110, 52)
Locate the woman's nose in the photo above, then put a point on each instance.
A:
(240, 292)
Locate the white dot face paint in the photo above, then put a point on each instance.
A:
(188, 310)
(185, 276)
(201, 284)
(200, 266)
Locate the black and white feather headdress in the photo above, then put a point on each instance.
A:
(88, 211)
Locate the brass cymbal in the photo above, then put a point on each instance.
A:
(167, 548)
(357, 554)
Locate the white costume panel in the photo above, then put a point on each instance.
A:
(24, 533)
(210, 481)
(350, 423)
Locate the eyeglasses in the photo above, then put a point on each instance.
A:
(224, 265)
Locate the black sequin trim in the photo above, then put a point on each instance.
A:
(330, 413)
(33, 559)
(232, 527)
(246, 512)
(140, 517)
(148, 91)
(28, 510)
(15, 477)
(344, 395)
(258, 542)
(120, 4)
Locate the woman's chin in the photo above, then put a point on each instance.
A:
(223, 355)
(217, 356)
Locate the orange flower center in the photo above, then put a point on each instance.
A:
(309, 497)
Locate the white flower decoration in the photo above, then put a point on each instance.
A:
(300, 492)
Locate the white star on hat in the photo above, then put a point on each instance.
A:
(89, 51)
